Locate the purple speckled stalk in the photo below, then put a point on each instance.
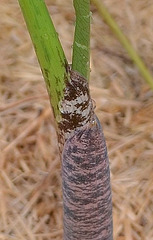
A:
(86, 185)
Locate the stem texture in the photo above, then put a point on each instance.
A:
(49, 51)
(86, 186)
(81, 44)
(85, 168)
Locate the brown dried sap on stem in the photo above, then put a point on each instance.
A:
(76, 107)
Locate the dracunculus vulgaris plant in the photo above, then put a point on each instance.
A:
(87, 203)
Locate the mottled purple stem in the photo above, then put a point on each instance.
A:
(86, 185)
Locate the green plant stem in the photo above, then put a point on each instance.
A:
(48, 49)
(81, 44)
(124, 41)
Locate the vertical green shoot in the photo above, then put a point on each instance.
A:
(48, 49)
(81, 44)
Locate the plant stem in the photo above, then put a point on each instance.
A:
(125, 42)
(81, 44)
(87, 198)
(85, 167)
(49, 51)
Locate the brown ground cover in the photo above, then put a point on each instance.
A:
(30, 182)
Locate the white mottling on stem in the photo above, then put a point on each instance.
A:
(88, 16)
(81, 46)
